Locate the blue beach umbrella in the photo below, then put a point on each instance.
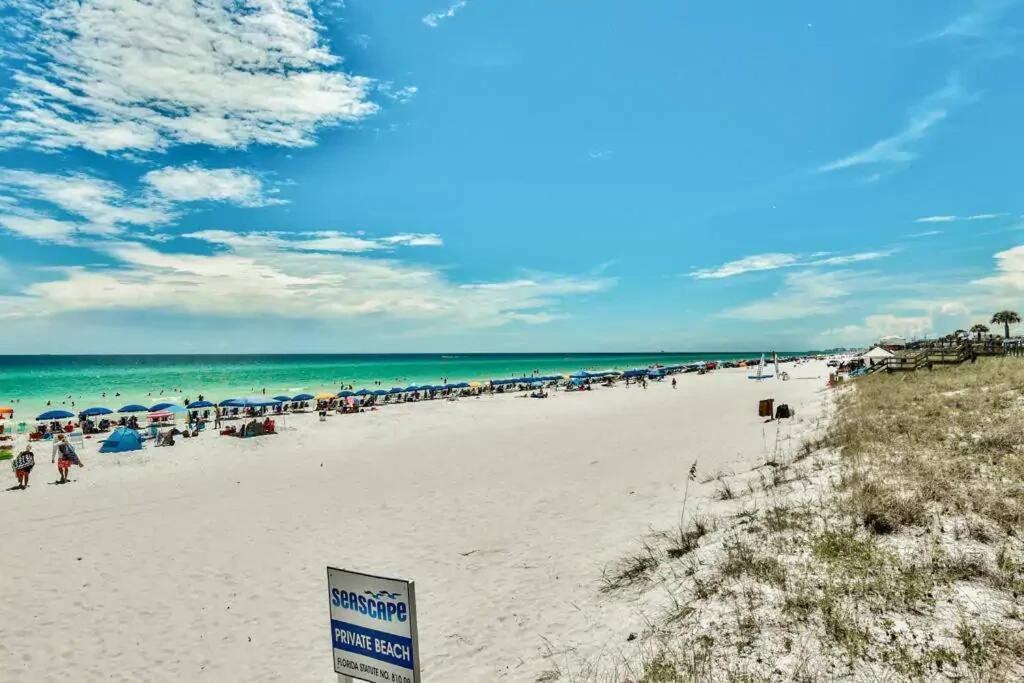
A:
(303, 397)
(199, 404)
(282, 397)
(380, 392)
(396, 390)
(411, 388)
(55, 415)
(175, 408)
(133, 408)
(99, 410)
(227, 402)
(363, 392)
(252, 402)
(345, 394)
(161, 406)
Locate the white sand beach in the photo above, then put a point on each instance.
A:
(206, 561)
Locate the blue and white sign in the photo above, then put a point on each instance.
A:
(373, 627)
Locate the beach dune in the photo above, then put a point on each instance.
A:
(206, 561)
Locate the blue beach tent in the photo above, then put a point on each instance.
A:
(120, 440)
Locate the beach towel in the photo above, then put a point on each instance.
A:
(67, 452)
(23, 461)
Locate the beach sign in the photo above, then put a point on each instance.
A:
(373, 627)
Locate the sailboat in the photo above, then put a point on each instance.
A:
(761, 374)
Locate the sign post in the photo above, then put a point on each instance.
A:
(373, 628)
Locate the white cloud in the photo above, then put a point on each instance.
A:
(1008, 280)
(774, 261)
(877, 326)
(803, 294)
(953, 219)
(975, 23)
(926, 233)
(747, 264)
(123, 75)
(253, 276)
(320, 240)
(435, 18)
(101, 205)
(401, 95)
(195, 183)
(895, 149)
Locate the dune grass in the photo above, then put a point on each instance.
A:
(898, 555)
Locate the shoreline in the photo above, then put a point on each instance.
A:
(208, 557)
(78, 389)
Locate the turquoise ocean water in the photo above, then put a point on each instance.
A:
(27, 383)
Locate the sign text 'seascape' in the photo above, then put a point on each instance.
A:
(373, 627)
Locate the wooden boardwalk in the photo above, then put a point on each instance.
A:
(927, 358)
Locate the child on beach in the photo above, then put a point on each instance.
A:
(23, 465)
(65, 456)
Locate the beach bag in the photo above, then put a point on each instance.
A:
(764, 407)
(782, 411)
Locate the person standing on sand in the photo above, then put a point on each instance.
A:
(673, 382)
(216, 417)
(23, 465)
(65, 456)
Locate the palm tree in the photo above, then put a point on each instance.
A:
(1007, 318)
(979, 329)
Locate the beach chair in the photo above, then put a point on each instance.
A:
(75, 438)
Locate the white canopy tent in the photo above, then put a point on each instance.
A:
(875, 356)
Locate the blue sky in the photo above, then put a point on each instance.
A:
(284, 175)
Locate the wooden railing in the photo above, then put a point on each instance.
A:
(926, 358)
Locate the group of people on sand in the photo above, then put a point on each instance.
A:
(63, 454)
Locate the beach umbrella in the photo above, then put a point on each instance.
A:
(411, 388)
(227, 402)
(160, 407)
(582, 374)
(362, 392)
(303, 397)
(380, 392)
(282, 397)
(325, 397)
(6, 410)
(344, 394)
(474, 385)
(251, 402)
(199, 404)
(55, 415)
(397, 390)
(90, 412)
(133, 408)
